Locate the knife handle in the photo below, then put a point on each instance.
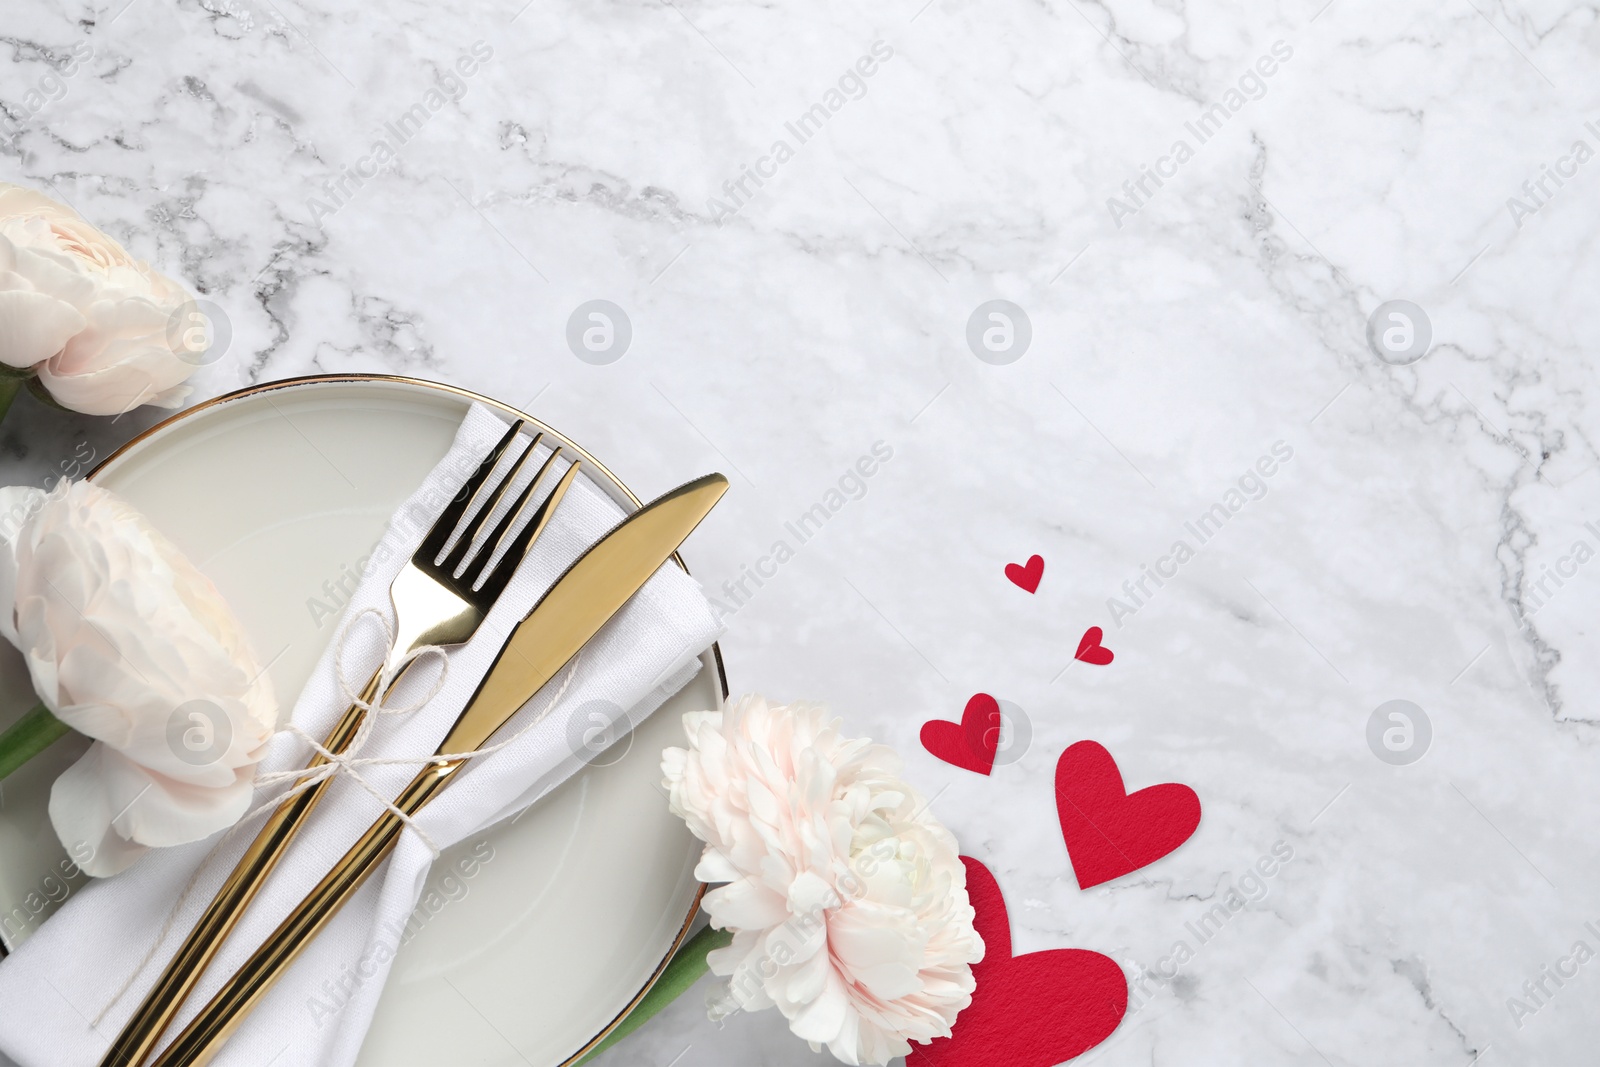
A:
(166, 997)
(204, 1037)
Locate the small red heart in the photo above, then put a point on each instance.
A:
(1026, 577)
(1090, 650)
(1034, 1010)
(970, 743)
(1108, 831)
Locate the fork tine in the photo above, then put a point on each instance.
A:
(494, 583)
(445, 524)
(492, 543)
(480, 518)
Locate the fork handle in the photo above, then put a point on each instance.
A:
(166, 997)
(204, 1037)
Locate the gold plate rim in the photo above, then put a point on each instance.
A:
(470, 395)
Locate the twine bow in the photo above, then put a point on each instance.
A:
(350, 759)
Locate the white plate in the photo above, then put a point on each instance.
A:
(571, 910)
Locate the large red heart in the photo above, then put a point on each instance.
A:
(1026, 577)
(1028, 1011)
(970, 743)
(1090, 650)
(1110, 832)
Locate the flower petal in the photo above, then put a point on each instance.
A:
(17, 504)
(84, 803)
(34, 327)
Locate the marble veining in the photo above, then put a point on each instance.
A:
(1179, 330)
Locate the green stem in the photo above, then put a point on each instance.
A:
(29, 736)
(9, 388)
(684, 971)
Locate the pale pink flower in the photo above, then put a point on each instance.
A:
(128, 643)
(103, 331)
(847, 900)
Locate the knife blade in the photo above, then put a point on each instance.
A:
(575, 607)
(581, 601)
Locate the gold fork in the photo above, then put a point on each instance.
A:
(432, 607)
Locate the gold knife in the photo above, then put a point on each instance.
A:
(571, 611)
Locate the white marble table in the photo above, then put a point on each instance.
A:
(781, 327)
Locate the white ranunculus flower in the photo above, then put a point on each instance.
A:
(847, 900)
(94, 323)
(127, 642)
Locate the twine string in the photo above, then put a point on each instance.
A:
(349, 761)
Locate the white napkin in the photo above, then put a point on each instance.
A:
(65, 976)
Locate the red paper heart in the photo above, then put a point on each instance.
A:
(1090, 650)
(1110, 832)
(1026, 577)
(970, 743)
(1028, 1011)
